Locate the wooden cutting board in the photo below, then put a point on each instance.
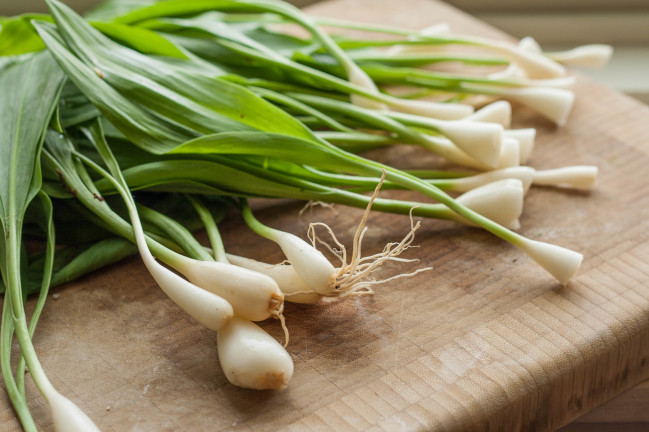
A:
(485, 341)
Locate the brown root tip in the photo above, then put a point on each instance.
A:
(276, 303)
(273, 381)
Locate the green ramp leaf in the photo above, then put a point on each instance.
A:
(179, 93)
(268, 145)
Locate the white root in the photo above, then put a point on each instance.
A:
(309, 263)
(308, 207)
(354, 276)
(482, 141)
(510, 154)
(310, 276)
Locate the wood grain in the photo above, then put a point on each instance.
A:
(485, 341)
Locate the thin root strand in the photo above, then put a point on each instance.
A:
(353, 277)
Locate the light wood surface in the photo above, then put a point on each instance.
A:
(485, 341)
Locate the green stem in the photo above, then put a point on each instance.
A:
(45, 284)
(106, 214)
(351, 25)
(301, 107)
(441, 179)
(253, 223)
(411, 182)
(356, 143)
(445, 80)
(364, 140)
(374, 118)
(211, 228)
(90, 187)
(323, 78)
(414, 60)
(15, 395)
(410, 34)
(350, 44)
(18, 314)
(97, 256)
(175, 231)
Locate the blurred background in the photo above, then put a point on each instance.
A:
(559, 24)
(555, 24)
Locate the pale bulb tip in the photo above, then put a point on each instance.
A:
(560, 262)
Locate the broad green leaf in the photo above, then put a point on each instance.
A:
(110, 9)
(140, 39)
(267, 145)
(182, 8)
(229, 47)
(138, 124)
(179, 98)
(17, 35)
(32, 281)
(30, 88)
(210, 24)
(96, 256)
(282, 43)
(224, 178)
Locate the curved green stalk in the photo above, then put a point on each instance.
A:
(175, 231)
(14, 298)
(210, 227)
(366, 166)
(374, 118)
(411, 35)
(374, 28)
(97, 256)
(253, 223)
(413, 60)
(330, 81)
(291, 13)
(446, 80)
(303, 108)
(101, 210)
(15, 395)
(45, 281)
(83, 181)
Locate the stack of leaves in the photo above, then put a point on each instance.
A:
(199, 106)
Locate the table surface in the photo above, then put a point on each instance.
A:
(485, 341)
